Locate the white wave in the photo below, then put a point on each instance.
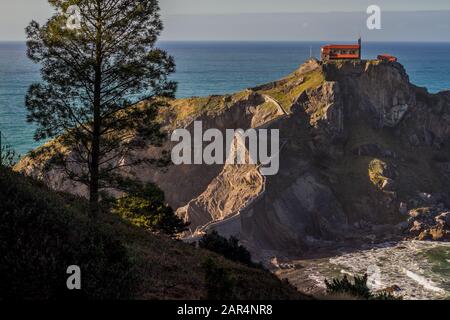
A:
(427, 284)
(405, 265)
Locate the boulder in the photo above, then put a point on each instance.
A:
(429, 224)
(443, 219)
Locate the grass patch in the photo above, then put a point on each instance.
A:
(290, 88)
(376, 172)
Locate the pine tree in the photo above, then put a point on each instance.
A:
(99, 62)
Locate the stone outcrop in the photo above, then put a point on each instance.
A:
(430, 224)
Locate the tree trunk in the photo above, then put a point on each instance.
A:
(95, 154)
(94, 172)
(96, 135)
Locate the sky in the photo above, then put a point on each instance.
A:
(294, 6)
(402, 20)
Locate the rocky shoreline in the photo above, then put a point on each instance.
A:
(409, 269)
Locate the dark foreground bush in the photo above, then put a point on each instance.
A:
(219, 283)
(358, 288)
(41, 235)
(229, 248)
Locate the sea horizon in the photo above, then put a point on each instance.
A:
(207, 68)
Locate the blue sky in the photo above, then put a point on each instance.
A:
(270, 19)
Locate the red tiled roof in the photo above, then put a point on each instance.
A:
(342, 46)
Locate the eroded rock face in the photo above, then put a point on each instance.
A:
(358, 144)
(430, 224)
(225, 196)
(378, 91)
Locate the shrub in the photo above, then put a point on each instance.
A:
(219, 284)
(145, 208)
(229, 248)
(41, 234)
(358, 288)
(8, 156)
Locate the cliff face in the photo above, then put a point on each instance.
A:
(360, 147)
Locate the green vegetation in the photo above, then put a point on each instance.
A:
(181, 111)
(376, 171)
(229, 248)
(225, 284)
(290, 88)
(92, 75)
(43, 232)
(357, 289)
(8, 156)
(219, 284)
(146, 208)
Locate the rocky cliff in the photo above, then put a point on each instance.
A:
(361, 150)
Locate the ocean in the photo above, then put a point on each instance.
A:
(205, 68)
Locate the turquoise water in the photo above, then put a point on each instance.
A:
(214, 68)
